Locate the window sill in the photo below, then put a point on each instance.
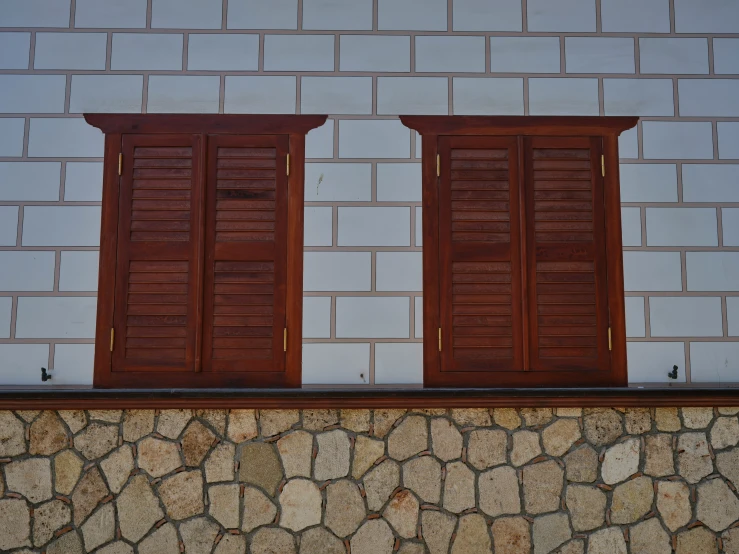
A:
(70, 397)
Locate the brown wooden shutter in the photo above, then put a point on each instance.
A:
(566, 245)
(246, 254)
(479, 255)
(156, 299)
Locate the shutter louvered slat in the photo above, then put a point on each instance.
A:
(568, 314)
(155, 305)
(245, 268)
(479, 249)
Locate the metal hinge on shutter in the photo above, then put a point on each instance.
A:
(439, 339)
(284, 340)
(603, 165)
(112, 338)
(288, 164)
(610, 340)
(438, 165)
(120, 164)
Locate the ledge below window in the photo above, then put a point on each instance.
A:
(61, 398)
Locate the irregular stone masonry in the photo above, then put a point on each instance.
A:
(478, 481)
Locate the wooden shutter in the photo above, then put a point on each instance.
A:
(156, 299)
(479, 254)
(566, 245)
(246, 254)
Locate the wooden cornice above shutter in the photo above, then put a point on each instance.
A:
(523, 273)
(201, 250)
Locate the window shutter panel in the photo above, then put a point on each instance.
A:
(246, 254)
(479, 254)
(156, 297)
(566, 246)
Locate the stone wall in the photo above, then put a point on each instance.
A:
(602, 481)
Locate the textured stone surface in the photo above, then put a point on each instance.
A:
(725, 433)
(659, 456)
(272, 541)
(296, 451)
(99, 528)
(575, 546)
(242, 425)
(437, 529)
(602, 426)
(696, 541)
(560, 436)
(402, 513)
(111, 416)
(731, 541)
(459, 488)
(621, 461)
(536, 416)
(117, 467)
(408, 438)
(384, 421)
(258, 509)
(582, 465)
(607, 541)
(587, 507)
(550, 531)
(217, 418)
(118, 547)
(542, 486)
(374, 537)
(96, 440)
(356, 420)
(30, 478)
(697, 418)
(318, 420)
(260, 466)
(507, 418)
(718, 506)
(673, 504)
(300, 504)
(48, 518)
(172, 422)
(511, 535)
(411, 548)
(198, 535)
(525, 448)
(182, 494)
(219, 465)
(728, 465)
(158, 457)
(366, 452)
(137, 424)
(693, 458)
(667, 419)
(67, 469)
(48, 435)
(75, 419)
(446, 440)
(344, 508)
(196, 441)
(380, 482)
(472, 536)
(487, 448)
(69, 543)
(423, 476)
(231, 544)
(274, 422)
(732, 410)
(471, 416)
(320, 541)
(499, 493)
(632, 500)
(138, 509)
(334, 455)
(161, 541)
(649, 537)
(87, 494)
(638, 420)
(224, 504)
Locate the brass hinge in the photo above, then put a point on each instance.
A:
(288, 164)
(603, 165)
(439, 339)
(438, 165)
(120, 164)
(112, 338)
(284, 339)
(610, 341)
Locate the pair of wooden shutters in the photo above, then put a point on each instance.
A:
(202, 264)
(523, 279)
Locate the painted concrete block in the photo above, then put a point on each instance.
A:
(726, 55)
(681, 227)
(338, 182)
(376, 53)
(676, 140)
(70, 50)
(648, 182)
(318, 226)
(64, 138)
(61, 226)
(106, 93)
(78, 271)
(336, 95)
(340, 15)
(372, 317)
(6, 306)
(706, 16)
(213, 52)
(487, 96)
(29, 181)
(32, 93)
(730, 226)
(599, 55)
(712, 271)
(319, 142)
(146, 51)
(412, 15)
(84, 182)
(8, 225)
(714, 362)
(685, 316)
(728, 140)
(374, 226)
(651, 97)
(398, 182)
(299, 53)
(447, 54)
(115, 14)
(711, 183)
(566, 16)
(183, 94)
(524, 54)
(652, 271)
(336, 364)
(487, 15)
(68, 317)
(673, 55)
(316, 317)
(12, 133)
(373, 139)
(337, 271)
(27, 270)
(186, 14)
(635, 323)
(398, 363)
(649, 362)
(631, 226)
(260, 94)
(708, 97)
(399, 271)
(563, 96)
(257, 14)
(21, 363)
(73, 364)
(635, 16)
(36, 13)
(412, 95)
(14, 50)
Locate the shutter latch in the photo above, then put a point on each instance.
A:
(438, 165)
(610, 341)
(112, 338)
(288, 165)
(602, 165)
(439, 339)
(120, 163)
(284, 339)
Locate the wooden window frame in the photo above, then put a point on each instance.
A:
(115, 127)
(431, 128)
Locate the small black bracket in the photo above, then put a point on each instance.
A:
(45, 374)
(672, 374)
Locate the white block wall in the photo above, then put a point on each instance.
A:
(673, 63)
